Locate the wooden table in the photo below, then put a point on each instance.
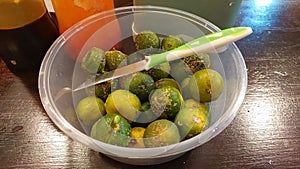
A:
(264, 134)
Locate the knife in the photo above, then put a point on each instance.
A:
(202, 44)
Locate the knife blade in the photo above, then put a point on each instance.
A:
(202, 44)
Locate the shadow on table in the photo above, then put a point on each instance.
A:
(179, 162)
(29, 79)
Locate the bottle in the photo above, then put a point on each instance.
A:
(80, 10)
(26, 32)
(69, 12)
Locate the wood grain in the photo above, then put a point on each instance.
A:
(264, 134)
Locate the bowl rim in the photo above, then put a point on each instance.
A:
(186, 145)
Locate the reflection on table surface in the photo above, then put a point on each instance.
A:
(264, 134)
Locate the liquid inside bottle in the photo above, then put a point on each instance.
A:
(26, 33)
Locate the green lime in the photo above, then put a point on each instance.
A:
(101, 90)
(112, 129)
(160, 71)
(147, 39)
(140, 84)
(171, 42)
(161, 133)
(190, 121)
(90, 109)
(166, 101)
(94, 61)
(114, 59)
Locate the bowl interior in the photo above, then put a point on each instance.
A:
(60, 71)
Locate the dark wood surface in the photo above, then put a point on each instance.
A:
(264, 134)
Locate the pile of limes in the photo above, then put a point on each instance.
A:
(158, 107)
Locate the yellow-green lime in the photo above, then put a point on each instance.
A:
(90, 109)
(161, 133)
(206, 85)
(190, 121)
(123, 102)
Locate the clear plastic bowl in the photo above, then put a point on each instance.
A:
(59, 73)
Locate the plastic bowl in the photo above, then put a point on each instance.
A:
(59, 73)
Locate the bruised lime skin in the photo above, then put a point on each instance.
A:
(171, 42)
(161, 133)
(166, 101)
(191, 103)
(206, 85)
(112, 129)
(166, 82)
(190, 121)
(101, 90)
(90, 109)
(115, 59)
(147, 39)
(197, 62)
(140, 84)
(124, 103)
(94, 61)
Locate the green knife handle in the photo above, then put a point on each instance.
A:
(202, 44)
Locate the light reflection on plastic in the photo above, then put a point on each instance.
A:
(260, 3)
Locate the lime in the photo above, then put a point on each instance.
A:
(191, 103)
(206, 85)
(197, 62)
(160, 71)
(190, 121)
(171, 42)
(161, 133)
(112, 129)
(166, 101)
(90, 109)
(123, 102)
(94, 61)
(140, 84)
(166, 82)
(147, 39)
(101, 90)
(114, 59)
